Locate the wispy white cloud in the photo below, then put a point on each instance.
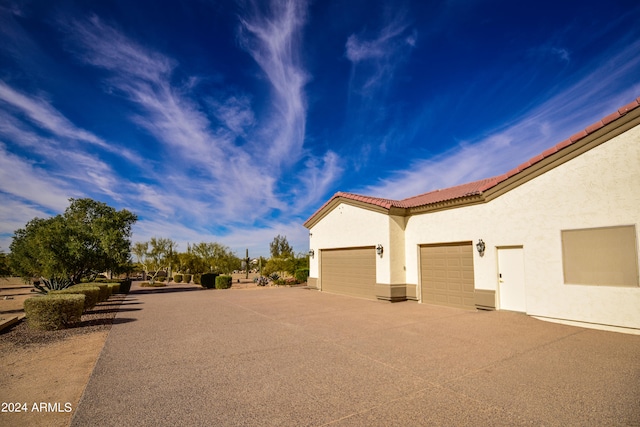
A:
(273, 40)
(25, 180)
(374, 59)
(580, 103)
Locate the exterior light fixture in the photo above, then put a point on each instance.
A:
(379, 249)
(480, 247)
(311, 253)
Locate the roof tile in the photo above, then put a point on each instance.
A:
(630, 106)
(578, 136)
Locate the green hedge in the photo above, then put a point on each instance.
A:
(208, 280)
(105, 292)
(224, 282)
(125, 286)
(91, 295)
(186, 278)
(177, 278)
(301, 275)
(114, 288)
(51, 312)
(197, 279)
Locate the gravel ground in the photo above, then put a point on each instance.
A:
(100, 318)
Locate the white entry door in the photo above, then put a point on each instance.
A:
(511, 279)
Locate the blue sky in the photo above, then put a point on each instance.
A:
(234, 121)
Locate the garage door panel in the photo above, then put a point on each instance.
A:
(349, 271)
(447, 275)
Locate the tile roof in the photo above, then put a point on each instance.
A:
(477, 187)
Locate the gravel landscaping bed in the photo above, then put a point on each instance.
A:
(100, 318)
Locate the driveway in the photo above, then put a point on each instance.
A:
(297, 357)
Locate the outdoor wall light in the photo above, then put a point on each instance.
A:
(379, 249)
(480, 247)
(311, 253)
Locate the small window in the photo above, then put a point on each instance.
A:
(605, 256)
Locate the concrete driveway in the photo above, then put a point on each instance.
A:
(297, 357)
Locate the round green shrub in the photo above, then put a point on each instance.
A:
(224, 282)
(177, 278)
(104, 290)
(125, 286)
(197, 279)
(91, 294)
(153, 285)
(186, 278)
(208, 280)
(51, 312)
(301, 275)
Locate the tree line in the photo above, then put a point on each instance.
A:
(91, 238)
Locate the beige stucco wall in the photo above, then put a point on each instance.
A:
(350, 226)
(597, 189)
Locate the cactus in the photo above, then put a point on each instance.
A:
(44, 286)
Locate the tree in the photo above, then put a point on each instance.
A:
(280, 247)
(216, 258)
(156, 255)
(5, 270)
(88, 238)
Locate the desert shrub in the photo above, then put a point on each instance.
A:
(91, 295)
(279, 282)
(44, 286)
(186, 278)
(125, 286)
(153, 285)
(261, 281)
(302, 274)
(224, 282)
(208, 280)
(197, 279)
(52, 312)
(274, 276)
(104, 290)
(178, 278)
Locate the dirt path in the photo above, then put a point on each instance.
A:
(52, 373)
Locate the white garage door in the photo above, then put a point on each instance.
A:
(447, 275)
(350, 271)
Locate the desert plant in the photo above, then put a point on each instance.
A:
(177, 278)
(125, 286)
(186, 278)
(261, 281)
(91, 295)
(274, 276)
(52, 312)
(104, 290)
(44, 286)
(224, 282)
(208, 280)
(197, 279)
(301, 275)
(152, 284)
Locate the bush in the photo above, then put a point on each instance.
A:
(153, 285)
(91, 295)
(104, 290)
(53, 312)
(125, 286)
(197, 279)
(177, 278)
(301, 275)
(208, 280)
(114, 288)
(186, 278)
(224, 282)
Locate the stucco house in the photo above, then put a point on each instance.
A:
(556, 237)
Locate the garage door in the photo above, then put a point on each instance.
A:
(349, 271)
(447, 275)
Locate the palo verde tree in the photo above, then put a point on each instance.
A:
(156, 255)
(88, 238)
(214, 257)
